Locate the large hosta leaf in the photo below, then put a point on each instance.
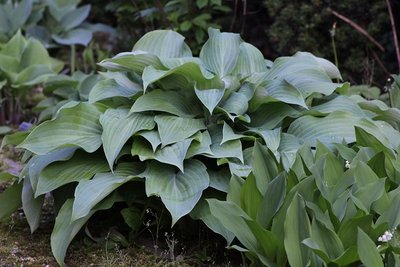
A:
(111, 88)
(229, 149)
(118, 127)
(178, 191)
(250, 61)
(220, 53)
(90, 192)
(165, 101)
(32, 206)
(173, 129)
(164, 44)
(81, 166)
(10, 200)
(132, 61)
(75, 126)
(65, 229)
(172, 154)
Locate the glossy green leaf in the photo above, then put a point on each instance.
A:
(32, 206)
(111, 88)
(264, 166)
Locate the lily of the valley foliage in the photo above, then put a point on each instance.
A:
(269, 153)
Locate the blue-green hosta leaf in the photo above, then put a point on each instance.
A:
(75, 126)
(32, 75)
(280, 90)
(10, 200)
(339, 103)
(178, 191)
(329, 68)
(230, 149)
(269, 116)
(220, 53)
(173, 154)
(110, 88)
(164, 44)
(20, 15)
(65, 229)
(165, 101)
(250, 61)
(190, 70)
(242, 169)
(209, 97)
(228, 134)
(38, 162)
(200, 145)
(220, 179)
(364, 196)
(330, 129)
(89, 193)
(174, 129)
(153, 137)
(312, 81)
(75, 17)
(297, 228)
(367, 250)
(118, 127)
(81, 166)
(132, 61)
(73, 37)
(32, 206)
(272, 138)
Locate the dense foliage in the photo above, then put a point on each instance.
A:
(24, 63)
(256, 149)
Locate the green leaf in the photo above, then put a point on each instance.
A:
(89, 193)
(274, 90)
(165, 101)
(131, 61)
(178, 191)
(297, 228)
(118, 127)
(209, 97)
(172, 154)
(173, 129)
(250, 197)
(250, 61)
(81, 166)
(202, 212)
(32, 206)
(367, 250)
(164, 44)
(391, 214)
(65, 230)
(272, 200)
(73, 37)
(230, 149)
(330, 129)
(75, 17)
(220, 53)
(132, 217)
(10, 200)
(111, 88)
(74, 126)
(201, 3)
(264, 167)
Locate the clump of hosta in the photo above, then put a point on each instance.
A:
(185, 127)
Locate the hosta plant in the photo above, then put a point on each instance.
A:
(24, 63)
(184, 128)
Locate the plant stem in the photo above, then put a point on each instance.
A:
(73, 55)
(396, 42)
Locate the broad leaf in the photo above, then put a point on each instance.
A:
(367, 250)
(178, 191)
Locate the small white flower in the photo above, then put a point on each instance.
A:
(347, 165)
(386, 237)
